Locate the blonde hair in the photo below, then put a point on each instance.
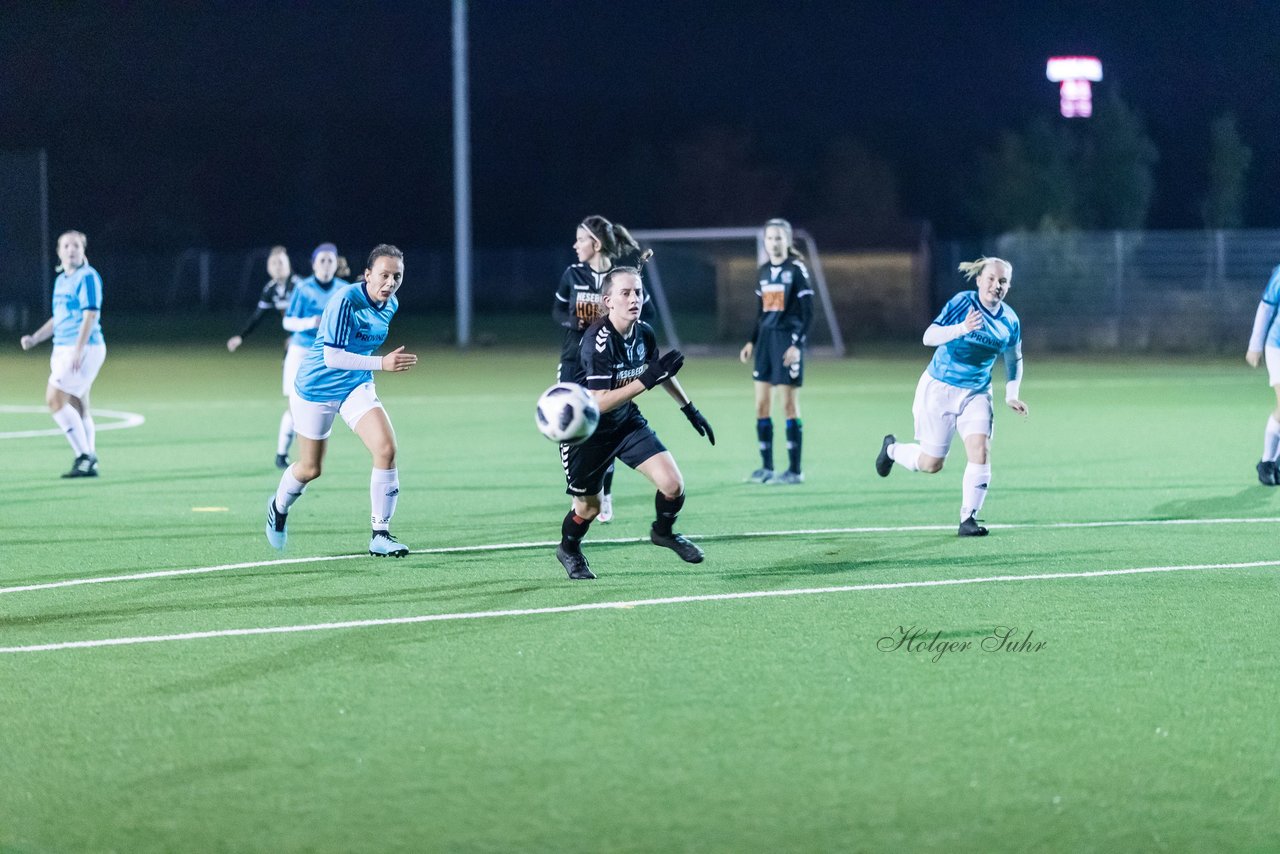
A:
(778, 222)
(84, 242)
(972, 269)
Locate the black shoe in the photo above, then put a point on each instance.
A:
(86, 465)
(970, 528)
(884, 462)
(574, 563)
(1268, 475)
(282, 461)
(678, 543)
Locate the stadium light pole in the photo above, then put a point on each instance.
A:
(461, 175)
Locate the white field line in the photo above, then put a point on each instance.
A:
(502, 547)
(127, 420)
(624, 604)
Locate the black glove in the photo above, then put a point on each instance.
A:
(699, 421)
(662, 369)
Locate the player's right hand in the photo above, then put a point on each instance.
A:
(973, 321)
(746, 352)
(1253, 357)
(662, 369)
(234, 342)
(398, 360)
(28, 341)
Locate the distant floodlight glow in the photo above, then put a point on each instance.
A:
(1074, 73)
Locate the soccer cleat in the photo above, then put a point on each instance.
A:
(276, 534)
(761, 476)
(85, 465)
(970, 528)
(884, 462)
(574, 563)
(788, 477)
(382, 544)
(606, 510)
(1267, 473)
(282, 461)
(678, 543)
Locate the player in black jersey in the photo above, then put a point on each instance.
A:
(275, 295)
(784, 312)
(599, 245)
(619, 361)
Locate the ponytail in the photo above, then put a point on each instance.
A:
(972, 269)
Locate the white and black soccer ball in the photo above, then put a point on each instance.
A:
(567, 413)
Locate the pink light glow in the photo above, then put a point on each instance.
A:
(1075, 72)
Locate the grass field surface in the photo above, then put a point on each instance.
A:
(833, 677)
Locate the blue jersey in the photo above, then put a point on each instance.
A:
(309, 300)
(1271, 299)
(350, 322)
(965, 362)
(74, 293)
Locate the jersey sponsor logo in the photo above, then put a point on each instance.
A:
(623, 375)
(773, 296)
(589, 306)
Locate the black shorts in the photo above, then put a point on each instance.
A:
(770, 347)
(633, 441)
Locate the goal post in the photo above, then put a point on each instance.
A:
(703, 282)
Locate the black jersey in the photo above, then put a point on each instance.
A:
(579, 304)
(785, 300)
(607, 361)
(274, 295)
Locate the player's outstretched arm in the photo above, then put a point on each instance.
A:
(696, 418)
(44, 333)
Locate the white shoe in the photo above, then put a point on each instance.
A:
(382, 544)
(606, 510)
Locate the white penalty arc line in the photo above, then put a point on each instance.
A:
(624, 604)
(503, 547)
(127, 420)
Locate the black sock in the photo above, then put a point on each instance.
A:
(572, 531)
(668, 509)
(608, 480)
(795, 437)
(764, 432)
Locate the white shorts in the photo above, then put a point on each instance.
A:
(1272, 355)
(75, 383)
(942, 410)
(292, 361)
(315, 420)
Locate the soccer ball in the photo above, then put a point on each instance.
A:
(567, 413)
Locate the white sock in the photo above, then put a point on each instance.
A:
(285, 437)
(90, 433)
(289, 490)
(384, 488)
(1271, 439)
(974, 492)
(73, 426)
(905, 455)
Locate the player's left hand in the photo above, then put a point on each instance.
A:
(398, 360)
(699, 421)
(791, 356)
(77, 359)
(1018, 406)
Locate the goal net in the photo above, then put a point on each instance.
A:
(703, 283)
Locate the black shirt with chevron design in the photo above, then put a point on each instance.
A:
(607, 361)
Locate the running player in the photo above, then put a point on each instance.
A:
(954, 392)
(302, 317)
(1266, 340)
(335, 379)
(599, 244)
(783, 314)
(78, 350)
(618, 361)
(276, 294)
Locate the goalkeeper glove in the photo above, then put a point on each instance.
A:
(699, 421)
(662, 369)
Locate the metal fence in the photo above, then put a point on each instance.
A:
(1165, 291)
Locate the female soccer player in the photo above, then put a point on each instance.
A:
(302, 317)
(276, 294)
(618, 361)
(335, 379)
(598, 244)
(1266, 339)
(954, 392)
(78, 350)
(783, 314)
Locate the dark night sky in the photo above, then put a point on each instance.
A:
(240, 124)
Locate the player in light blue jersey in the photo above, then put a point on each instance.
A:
(302, 318)
(78, 350)
(1265, 340)
(954, 393)
(336, 378)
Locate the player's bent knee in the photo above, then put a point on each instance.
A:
(306, 472)
(931, 465)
